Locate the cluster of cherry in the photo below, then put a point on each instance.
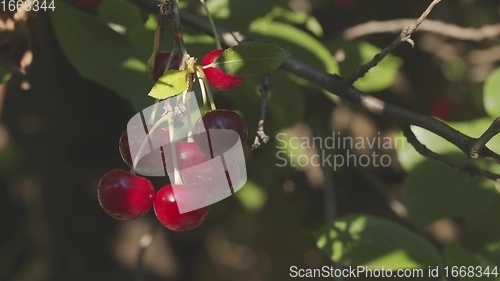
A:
(125, 195)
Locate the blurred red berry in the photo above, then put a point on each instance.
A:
(441, 108)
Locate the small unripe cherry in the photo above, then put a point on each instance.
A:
(215, 76)
(124, 196)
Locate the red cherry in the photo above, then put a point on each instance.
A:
(161, 60)
(124, 196)
(150, 161)
(87, 4)
(216, 77)
(188, 155)
(220, 140)
(441, 108)
(205, 173)
(167, 211)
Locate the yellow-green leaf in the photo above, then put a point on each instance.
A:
(172, 83)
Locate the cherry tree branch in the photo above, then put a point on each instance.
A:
(487, 32)
(468, 169)
(481, 142)
(404, 36)
(398, 115)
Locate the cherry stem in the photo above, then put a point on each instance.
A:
(150, 132)
(205, 89)
(212, 24)
(190, 125)
(132, 171)
(178, 34)
(177, 176)
(173, 53)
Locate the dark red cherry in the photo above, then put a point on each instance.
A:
(161, 60)
(219, 140)
(124, 196)
(188, 155)
(208, 171)
(167, 211)
(215, 76)
(150, 161)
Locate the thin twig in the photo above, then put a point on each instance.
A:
(404, 36)
(481, 142)
(261, 136)
(487, 32)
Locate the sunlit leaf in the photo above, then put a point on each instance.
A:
(100, 54)
(251, 59)
(172, 83)
(491, 96)
(299, 43)
(376, 242)
(410, 158)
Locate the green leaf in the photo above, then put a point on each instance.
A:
(100, 54)
(410, 158)
(482, 233)
(296, 17)
(380, 77)
(455, 254)
(4, 75)
(301, 44)
(238, 14)
(172, 83)
(375, 242)
(359, 52)
(251, 59)
(491, 96)
(433, 191)
(123, 18)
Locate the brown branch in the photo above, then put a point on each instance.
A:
(337, 86)
(487, 32)
(480, 143)
(468, 169)
(261, 136)
(404, 36)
